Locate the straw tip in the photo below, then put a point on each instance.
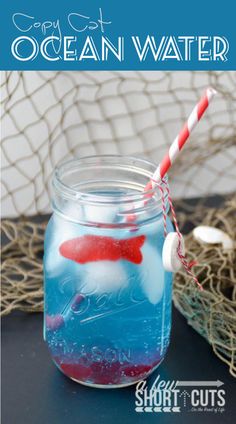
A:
(211, 92)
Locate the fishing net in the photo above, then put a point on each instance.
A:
(212, 312)
(52, 116)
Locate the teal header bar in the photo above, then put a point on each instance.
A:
(121, 35)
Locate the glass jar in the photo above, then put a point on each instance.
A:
(107, 308)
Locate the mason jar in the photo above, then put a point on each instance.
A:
(107, 314)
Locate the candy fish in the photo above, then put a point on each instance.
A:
(91, 248)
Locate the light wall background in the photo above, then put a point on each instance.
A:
(47, 117)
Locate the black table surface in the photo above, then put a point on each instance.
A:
(34, 391)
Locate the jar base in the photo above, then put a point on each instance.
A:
(114, 386)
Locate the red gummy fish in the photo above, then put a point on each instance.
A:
(91, 248)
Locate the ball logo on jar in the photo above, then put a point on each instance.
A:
(92, 306)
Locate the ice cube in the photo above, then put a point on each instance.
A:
(152, 273)
(58, 231)
(105, 214)
(104, 277)
(73, 211)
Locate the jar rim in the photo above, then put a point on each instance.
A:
(72, 193)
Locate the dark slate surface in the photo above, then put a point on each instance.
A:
(34, 391)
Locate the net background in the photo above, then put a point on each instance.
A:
(51, 116)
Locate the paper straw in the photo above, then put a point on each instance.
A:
(179, 142)
(183, 136)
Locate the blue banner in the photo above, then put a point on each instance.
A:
(121, 35)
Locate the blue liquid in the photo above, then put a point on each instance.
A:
(106, 323)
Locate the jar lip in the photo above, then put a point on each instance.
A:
(75, 194)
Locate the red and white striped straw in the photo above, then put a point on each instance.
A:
(179, 142)
(183, 136)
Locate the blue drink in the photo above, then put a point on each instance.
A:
(107, 297)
